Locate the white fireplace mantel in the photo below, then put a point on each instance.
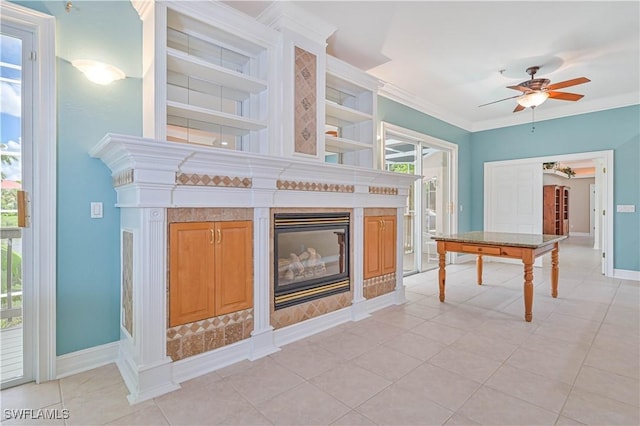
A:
(151, 176)
(151, 168)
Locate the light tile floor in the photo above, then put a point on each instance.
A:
(470, 360)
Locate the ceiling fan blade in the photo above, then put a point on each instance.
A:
(505, 99)
(520, 88)
(568, 83)
(518, 108)
(565, 96)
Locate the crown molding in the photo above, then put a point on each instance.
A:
(395, 93)
(286, 15)
(142, 7)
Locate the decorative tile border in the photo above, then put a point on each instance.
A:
(383, 190)
(127, 281)
(122, 178)
(315, 308)
(201, 336)
(194, 179)
(305, 112)
(377, 286)
(313, 186)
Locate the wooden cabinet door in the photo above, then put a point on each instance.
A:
(191, 272)
(388, 245)
(233, 260)
(372, 244)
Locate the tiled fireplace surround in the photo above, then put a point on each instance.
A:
(158, 182)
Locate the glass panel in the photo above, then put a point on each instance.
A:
(204, 94)
(400, 157)
(208, 51)
(435, 190)
(181, 129)
(11, 241)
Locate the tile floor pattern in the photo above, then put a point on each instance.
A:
(472, 360)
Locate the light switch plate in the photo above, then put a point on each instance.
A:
(626, 208)
(96, 210)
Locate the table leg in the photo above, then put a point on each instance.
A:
(441, 272)
(554, 271)
(479, 267)
(528, 286)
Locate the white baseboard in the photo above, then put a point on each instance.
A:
(86, 359)
(626, 274)
(311, 326)
(579, 234)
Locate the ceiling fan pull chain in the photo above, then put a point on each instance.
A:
(533, 119)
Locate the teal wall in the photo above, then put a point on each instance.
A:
(614, 129)
(88, 253)
(395, 113)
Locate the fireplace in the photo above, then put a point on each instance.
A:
(311, 256)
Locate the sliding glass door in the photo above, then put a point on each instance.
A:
(429, 208)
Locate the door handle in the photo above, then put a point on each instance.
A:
(22, 209)
(219, 234)
(211, 236)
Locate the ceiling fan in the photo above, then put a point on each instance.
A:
(536, 90)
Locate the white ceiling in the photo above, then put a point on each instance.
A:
(445, 57)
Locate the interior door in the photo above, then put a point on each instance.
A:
(513, 198)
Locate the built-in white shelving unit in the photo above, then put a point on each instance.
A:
(350, 109)
(217, 80)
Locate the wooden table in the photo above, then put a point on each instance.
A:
(501, 244)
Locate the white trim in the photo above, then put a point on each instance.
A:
(626, 274)
(606, 190)
(43, 222)
(579, 234)
(397, 94)
(87, 359)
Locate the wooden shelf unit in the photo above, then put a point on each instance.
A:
(555, 210)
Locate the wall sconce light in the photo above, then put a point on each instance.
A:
(99, 72)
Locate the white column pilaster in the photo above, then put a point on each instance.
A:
(358, 309)
(262, 337)
(399, 296)
(145, 366)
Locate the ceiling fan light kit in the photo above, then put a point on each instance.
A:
(532, 99)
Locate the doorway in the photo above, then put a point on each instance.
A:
(27, 67)
(603, 160)
(429, 209)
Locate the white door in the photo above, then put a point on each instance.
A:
(513, 199)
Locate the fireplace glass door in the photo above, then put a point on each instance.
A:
(311, 256)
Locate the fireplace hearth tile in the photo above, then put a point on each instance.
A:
(213, 339)
(233, 333)
(193, 345)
